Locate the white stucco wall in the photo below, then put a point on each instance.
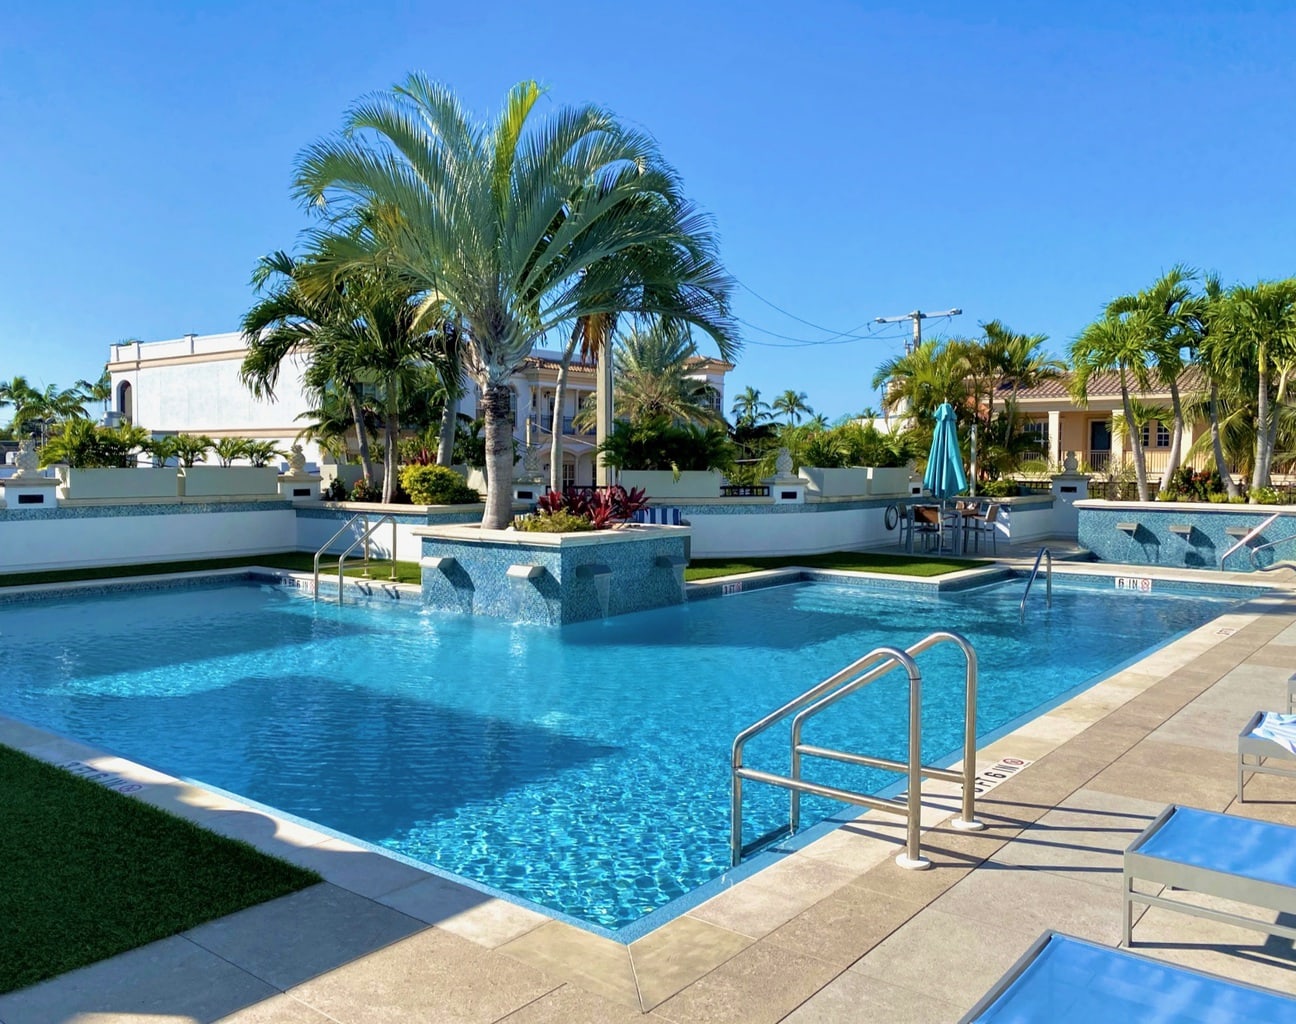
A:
(33, 544)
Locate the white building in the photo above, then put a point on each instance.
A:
(191, 385)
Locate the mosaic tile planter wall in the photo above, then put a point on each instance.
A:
(553, 579)
(1182, 534)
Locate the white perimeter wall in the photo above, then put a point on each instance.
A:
(33, 544)
(313, 533)
(786, 533)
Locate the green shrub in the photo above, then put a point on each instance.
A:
(364, 490)
(186, 449)
(554, 522)
(659, 444)
(1188, 484)
(436, 485)
(82, 445)
(259, 453)
(999, 489)
(228, 449)
(335, 491)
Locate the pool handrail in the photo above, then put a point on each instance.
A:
(1048, 583)
(873, 665)
(365, 534)
(1246, 539)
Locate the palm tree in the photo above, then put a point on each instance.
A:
(1115, 343)
(521, 228)
(1016, 362)
(934, 372)
(793, 405)
(748, 409)
(1256, 327)
(98, 391)
(654, 378)
(589, 337)
(1212, 358)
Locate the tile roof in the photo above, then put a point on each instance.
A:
(1103, 385)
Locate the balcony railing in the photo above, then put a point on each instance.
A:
(1155, 461)
(545, 423)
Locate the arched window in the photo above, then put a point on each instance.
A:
(124, 400)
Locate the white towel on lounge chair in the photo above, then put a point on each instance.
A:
(1276, 728)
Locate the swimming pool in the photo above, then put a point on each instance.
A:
(585, 768)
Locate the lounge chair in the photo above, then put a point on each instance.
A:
(1223, 855)
(1064, 980)
(1268, 737)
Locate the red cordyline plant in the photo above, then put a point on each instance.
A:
(605, 508)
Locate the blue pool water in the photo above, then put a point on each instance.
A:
(585, 768)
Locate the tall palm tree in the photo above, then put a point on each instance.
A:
(1212, 357)
(916, 383)
(1257, 327)
(1169, 322)
(589, 337)
(97, 391)
(1115, 343)
(521, 227)
(748, 409)
(793, 405)
(654, 379)
(1017, 362)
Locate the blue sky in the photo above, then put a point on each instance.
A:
(1025, 162)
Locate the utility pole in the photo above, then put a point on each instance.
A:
(917, 316)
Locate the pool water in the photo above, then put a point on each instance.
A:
(583, 768)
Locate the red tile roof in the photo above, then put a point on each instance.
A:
(1106, 385)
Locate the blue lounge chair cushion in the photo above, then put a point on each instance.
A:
(1226, 843)
(1075, 982)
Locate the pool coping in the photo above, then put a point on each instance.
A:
(800, 878)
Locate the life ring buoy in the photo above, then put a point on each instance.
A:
(892, 516)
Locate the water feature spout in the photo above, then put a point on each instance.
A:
(601, 576)
(677, 564)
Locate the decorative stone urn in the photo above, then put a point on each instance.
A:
(27, 461)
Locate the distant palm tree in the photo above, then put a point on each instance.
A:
(654, 378)
(98, 391)
(793, 405)
(748, 409)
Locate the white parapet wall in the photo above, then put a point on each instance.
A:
(67, 538)
(318, 522)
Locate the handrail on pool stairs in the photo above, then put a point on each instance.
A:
(1248, 538)
(1048, 583)
(854, 676)
(365, 534)
(1277, 565)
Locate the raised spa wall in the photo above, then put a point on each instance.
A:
(549, 578)
(1190, 534)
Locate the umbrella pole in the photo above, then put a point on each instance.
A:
(973, 475)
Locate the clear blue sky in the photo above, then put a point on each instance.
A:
(1023, 161)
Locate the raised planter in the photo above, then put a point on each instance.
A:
(662, 486)
(851, 482)
(552, 578)
(892, 481)
(113, 485)
(229, 482)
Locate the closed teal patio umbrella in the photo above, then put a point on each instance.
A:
(944, 476)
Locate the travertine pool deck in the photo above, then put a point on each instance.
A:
(833, 932)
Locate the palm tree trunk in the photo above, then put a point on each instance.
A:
(499, 457)
(362, 435)
(1176, 436)
(1260, 472)
(391, 432)
(1221, 466)
(446, 439)
(1136, 440)
(560, 401)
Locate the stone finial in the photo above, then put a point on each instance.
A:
(296, 461)
(1069, 463)
(783, 464)
(27, 461)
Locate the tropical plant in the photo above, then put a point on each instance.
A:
(97, 391)
(364, 490)
(43, 408)
(227, 449)
(659, 444)
(604, 508)
(560, 521)
(260, 453)
(793, 405)
(436, 485)
(82, 445)
(519, 228)
(186, 449)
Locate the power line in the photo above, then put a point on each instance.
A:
(796, 342)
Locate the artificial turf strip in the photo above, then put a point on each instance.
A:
(849, 561)
(297, 561)
(88, 873)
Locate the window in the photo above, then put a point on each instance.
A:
(569, 475)
(1040, 429)
(124, 400)
(1163, 436)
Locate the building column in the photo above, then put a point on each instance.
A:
(1055, 438)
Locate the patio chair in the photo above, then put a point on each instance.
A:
(929, 523)
(986, 524)
(1065, 980)
(1268, 737)
(1237, 859)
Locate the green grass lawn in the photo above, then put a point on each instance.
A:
(88, 873)
(300, 561)
(851, 561)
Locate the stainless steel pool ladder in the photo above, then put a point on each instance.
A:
(1277, 565)
(858, 674)
(1044, 553)
(1248, 538)
(365, 534)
